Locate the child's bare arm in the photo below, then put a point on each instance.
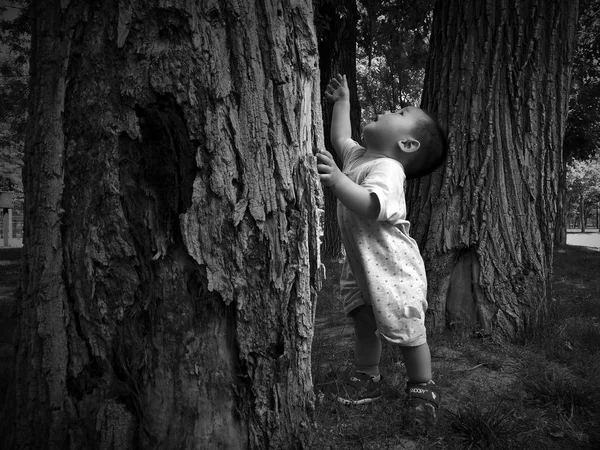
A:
(338, 93)
(352, 195)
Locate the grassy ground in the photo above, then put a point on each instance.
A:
(10, 259)
(495, 396)
(544, 394)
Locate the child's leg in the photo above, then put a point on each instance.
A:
(418, 363)
(367, 345)
(364, 386)
(423, 394)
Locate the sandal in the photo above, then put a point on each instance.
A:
(423, 403)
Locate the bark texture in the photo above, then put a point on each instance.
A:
(172, 226)
(560, 231)
(498, 76)
(336, 27)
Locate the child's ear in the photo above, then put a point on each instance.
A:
(409, 145)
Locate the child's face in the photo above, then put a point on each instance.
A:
(389, 128)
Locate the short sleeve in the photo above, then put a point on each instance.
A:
(350, 151)
(386, 180)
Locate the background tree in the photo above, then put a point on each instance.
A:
(392, 50)
(498, 76)
(583, 188)
(171, 237)
(336, 28)
(15, 34)
(582, 136)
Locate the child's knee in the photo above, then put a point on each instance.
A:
(364, 321)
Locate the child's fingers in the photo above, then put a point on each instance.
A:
(323, 161)
(330, 92)
(323, 168)
(325, 153)
(324, 164)
(341, 80)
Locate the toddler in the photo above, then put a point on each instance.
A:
(383, 282)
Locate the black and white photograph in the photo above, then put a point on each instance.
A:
(299, 225)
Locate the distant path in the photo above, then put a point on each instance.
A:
(584, 239)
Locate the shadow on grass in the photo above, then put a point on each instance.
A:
(10, 253)
(494, 395)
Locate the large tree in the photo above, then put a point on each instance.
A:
(498, 76)
(172, 228)
(336, 28)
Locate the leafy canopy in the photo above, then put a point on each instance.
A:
(582, 136)
(393, 41)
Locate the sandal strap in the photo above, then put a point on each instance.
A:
(427, 392)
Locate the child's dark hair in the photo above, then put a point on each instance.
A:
(433, 140)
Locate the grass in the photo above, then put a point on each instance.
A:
(542, 394)
(10, 273)
(10, 259)
(495, 427)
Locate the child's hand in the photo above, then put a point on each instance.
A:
(329, 173)
(337, 89)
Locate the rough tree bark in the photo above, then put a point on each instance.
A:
(582, 221)
(498, 76)
(336, 27)
(560, 230)
(172, 226)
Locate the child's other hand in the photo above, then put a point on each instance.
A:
(337, 89)
(329, 173)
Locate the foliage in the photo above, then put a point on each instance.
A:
(15, 34)
(583, 187)
(583, 178)
(582, 135)
(392, 49)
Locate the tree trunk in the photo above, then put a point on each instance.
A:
(172, 228)
(336, 25)
(498, 76)
(582, 213)
(560, 232)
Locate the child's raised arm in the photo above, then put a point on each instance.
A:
(337, 92)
